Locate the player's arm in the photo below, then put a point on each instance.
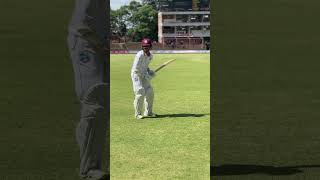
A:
(136, 67)
(151, 73)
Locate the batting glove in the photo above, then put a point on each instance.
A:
(151, 73)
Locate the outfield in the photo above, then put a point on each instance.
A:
(266, 90)
(175, 145)
(39, 108)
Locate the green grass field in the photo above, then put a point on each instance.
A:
(39, 108)
(175, 145)
(266, 90)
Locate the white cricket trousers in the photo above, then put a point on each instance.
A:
(93, 93)
(143, 92)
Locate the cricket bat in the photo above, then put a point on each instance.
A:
(164, 65)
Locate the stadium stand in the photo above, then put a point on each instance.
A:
(182, 25)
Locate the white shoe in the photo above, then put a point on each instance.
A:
(139, 117)
(96, 175)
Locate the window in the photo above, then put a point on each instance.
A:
(182, 18)
(195, 18)
(206, 18)
(169, 30)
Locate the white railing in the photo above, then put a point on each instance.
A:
(200, 33)
(194, 33)
(186, 24)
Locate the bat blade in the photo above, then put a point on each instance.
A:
(164, 65)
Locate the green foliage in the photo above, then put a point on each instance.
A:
(117, 25)
(153, 3)
(144, 22)
(135, 21)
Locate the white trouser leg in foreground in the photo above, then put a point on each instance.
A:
(148, 101)
(143, 92)
(138, 103)
(92, 128)
(139, 93)
(92, 91)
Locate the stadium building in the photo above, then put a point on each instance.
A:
(184, 24)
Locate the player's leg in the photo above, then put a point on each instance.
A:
(93, 94)
(92, 128)
(148, 101)
(139, 93)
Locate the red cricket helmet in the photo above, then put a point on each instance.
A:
(146, 42)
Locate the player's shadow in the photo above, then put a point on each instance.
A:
(245, 169)
(179, 115)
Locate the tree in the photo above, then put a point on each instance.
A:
(117, 24)
(135, 20)
(144, 22)
(153, 3)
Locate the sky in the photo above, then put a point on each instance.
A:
(115, 4)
